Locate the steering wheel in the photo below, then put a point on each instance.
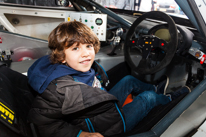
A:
(148, 43)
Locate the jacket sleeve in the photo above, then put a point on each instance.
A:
(51, 126)
(46, 115)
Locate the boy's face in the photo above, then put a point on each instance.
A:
(80, 57)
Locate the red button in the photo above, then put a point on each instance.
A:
(0, 40)
(202, 59)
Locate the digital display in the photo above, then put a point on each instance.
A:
(99, 21)
(163, 34)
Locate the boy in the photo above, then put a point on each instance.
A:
(73, 100)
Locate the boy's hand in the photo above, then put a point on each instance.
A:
(87, 134)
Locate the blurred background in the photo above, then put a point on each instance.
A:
(168, 6)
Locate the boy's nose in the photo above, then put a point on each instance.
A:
(85, 52)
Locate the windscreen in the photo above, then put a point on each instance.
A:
(168, 6)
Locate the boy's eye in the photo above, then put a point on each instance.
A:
(76, 48)
(89, 46)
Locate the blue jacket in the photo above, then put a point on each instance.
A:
(66, 107)
(42, 72)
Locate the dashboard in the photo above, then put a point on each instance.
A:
(186, 42)
(185, 36)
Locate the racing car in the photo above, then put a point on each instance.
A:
(147, 45)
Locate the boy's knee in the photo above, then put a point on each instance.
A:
(149, 95)
(129, 78)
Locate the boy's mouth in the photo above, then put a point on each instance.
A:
(85, 61)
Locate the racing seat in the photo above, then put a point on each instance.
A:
(16, 97)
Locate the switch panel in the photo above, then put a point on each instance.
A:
(97, 22)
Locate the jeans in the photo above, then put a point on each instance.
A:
(141, 105)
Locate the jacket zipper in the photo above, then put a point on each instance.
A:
(121, 116)
(89, 123)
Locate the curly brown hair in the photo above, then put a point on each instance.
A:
(68, 33)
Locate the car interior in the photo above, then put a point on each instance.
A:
(147, 45)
